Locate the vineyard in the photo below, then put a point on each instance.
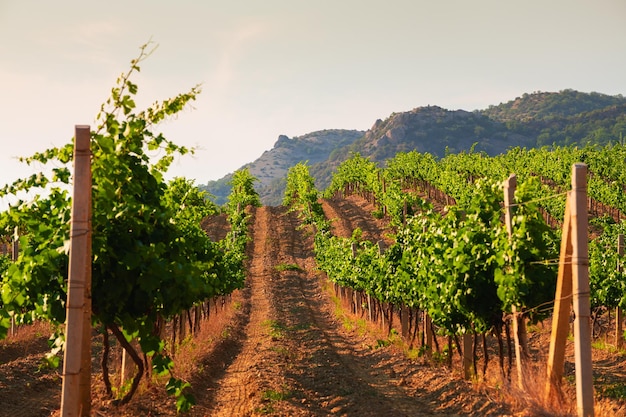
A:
(284, 346)
(424, 287)
(463, 269)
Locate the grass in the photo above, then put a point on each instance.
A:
(414, 353)
(603, 343)
(36, 330)
(225, 334)
(271, 397)
(361, 325)
(616, 391)
(347, 322)
(287, 267)
(381, 343)
(394, 338)
(281, 350)
(276, 329)
(301, 326)
(532, 397)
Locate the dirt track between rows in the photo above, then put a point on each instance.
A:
(282, 346)
(285, 349)
(297, 358)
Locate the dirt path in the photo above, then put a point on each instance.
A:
(294, 360)
(238, 390)
(298, 359)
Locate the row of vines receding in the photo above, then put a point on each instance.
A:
(455, 265)
(153, 267)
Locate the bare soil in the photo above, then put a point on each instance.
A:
(285, 346)
(26, 387)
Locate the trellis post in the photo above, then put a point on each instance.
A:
(76, 396)
(580, 291)
(15, 252)
(519, 328)
(619, 337)
(562, 307)
(575, 269)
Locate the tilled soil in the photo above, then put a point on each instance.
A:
(27, 389)
(296, 359)
(283, 347)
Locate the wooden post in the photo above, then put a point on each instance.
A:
(384, 192)
(358, 303)
(85, 378)
(519, 329)
(76, 397)
(383, 315)
(468, 359)
(404, 213)
(15, 251)
(404, 321)
(580, 291)
(562, 307)
(123, 370)
(428, 333)
(15, 247)
(619, 337)
(350, 299)
(127, 367)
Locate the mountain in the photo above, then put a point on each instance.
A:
(533, 120)
(271, 167)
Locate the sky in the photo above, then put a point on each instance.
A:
(288, 67)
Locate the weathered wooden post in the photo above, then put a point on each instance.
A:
(76, 395)
(15, 251)
(404, 321)
(580, 291)
(428, 335)
(619, 336)
(468, 357)
(15, 245)
(562, 307)
(519, 327)
(573, 284)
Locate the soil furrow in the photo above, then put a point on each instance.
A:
(285, 346)
(240, 384)
(332, 374)
(344, 225)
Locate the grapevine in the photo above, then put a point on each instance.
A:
(151, 260)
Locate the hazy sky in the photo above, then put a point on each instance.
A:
(271, 67)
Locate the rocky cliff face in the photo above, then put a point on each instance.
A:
(272, 166)
(434, 129)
